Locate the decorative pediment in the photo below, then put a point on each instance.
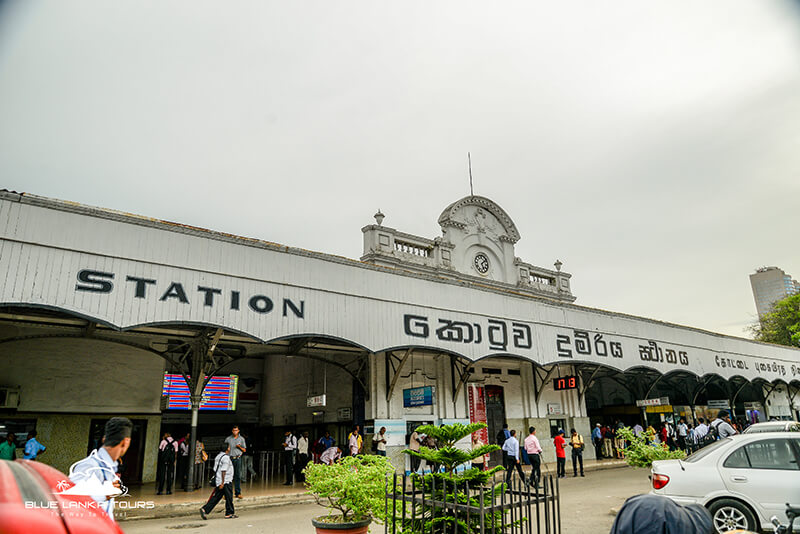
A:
(480, 215)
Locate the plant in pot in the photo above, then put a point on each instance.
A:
(352, 489)
(452, 485)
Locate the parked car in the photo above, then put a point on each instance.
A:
(31, 501)
(773, 426)
(743, 480)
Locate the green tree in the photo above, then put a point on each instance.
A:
(452, 485)
(782, 325)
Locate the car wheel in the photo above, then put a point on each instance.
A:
(728, 515)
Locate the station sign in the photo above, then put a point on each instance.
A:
(418, 396)
(316, 401)
(660, 401)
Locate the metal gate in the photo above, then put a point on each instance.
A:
(420, 507)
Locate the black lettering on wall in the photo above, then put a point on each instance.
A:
(175, 290)
(289, 305)
(563, 343)
(210, 292)
(498, 335)
(234, 300)
(94, 281)
(141, 285)
(260, 304)
(416, 326)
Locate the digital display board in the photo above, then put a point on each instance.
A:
(219, 394)
(565, 382)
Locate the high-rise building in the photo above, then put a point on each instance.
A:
(771, 284)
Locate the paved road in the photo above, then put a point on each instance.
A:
(585, 505)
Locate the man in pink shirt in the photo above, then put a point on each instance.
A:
(534, 449)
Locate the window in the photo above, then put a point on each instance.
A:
(556, 425)
(764, 454)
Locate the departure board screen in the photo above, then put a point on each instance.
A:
(565, 382)
(219, 394)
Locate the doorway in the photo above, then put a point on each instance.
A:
(495, 417)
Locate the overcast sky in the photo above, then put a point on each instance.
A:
(652, 147)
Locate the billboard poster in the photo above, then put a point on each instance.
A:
(418, 397)
(477, 412)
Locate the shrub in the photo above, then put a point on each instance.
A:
(639, 453)
(355, 486)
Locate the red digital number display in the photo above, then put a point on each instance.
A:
(565, 382)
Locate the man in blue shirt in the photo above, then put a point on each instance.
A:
(597, 441)
(32, 447)
(511, 448)
(102, 463)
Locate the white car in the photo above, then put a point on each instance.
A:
(743, 480)
(773, 426)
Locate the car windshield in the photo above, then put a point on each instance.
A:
(705, 451)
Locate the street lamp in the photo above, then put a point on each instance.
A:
(558, 265)
(379, 217)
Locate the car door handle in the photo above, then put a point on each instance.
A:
(739, 478)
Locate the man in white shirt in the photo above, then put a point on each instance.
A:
(723, 425)
(330, 455)
(103, 462)
(701, 430)
(637, 430)
(223, 467)
(534, 449)
(380, 440)
(683, 433)
(289, 450)
(511, 448)
(302, 457)
(355, 441)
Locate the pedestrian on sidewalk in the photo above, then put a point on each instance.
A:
(302, 457)
(248, 472)
(478, 463)
(102, 464)
(561, 457)
(355, 441)
(534, 449)
(511, 448)
(8, 449)
(414, 442)
(289, 451)
(577, 445)
(597, 441)
(608, 441)
(682, 430)
(380, 440)
(167, 452)
(183, 460)
(32, 447)
(237, 446)
(223, 486)
(200, 457)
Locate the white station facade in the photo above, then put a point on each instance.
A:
(97, 307)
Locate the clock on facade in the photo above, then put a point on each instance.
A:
(481, 263)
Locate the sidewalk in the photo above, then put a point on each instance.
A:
(260, 495)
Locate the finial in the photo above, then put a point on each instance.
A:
(379, 217)
(558, 265)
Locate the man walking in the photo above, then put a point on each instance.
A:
(561, 457)
(683, 433)
(223, 480)
(8, 449)
(103, 462)
(534, 449)
(32, 447)
(380, 441)
(577, 445)
(511, 448)
(597, 441)
(289, 450)
(237, 446)
(414, 441)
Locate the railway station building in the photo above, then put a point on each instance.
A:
(104, 313)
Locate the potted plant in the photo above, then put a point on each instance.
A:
(352, 489)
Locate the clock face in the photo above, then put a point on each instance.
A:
(481, 263)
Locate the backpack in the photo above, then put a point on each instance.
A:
(711, 436)
(213, 479)
(501, 438)
(167, 456)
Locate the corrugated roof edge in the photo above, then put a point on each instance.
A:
(121, 216)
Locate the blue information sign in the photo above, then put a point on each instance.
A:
(418, 397)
